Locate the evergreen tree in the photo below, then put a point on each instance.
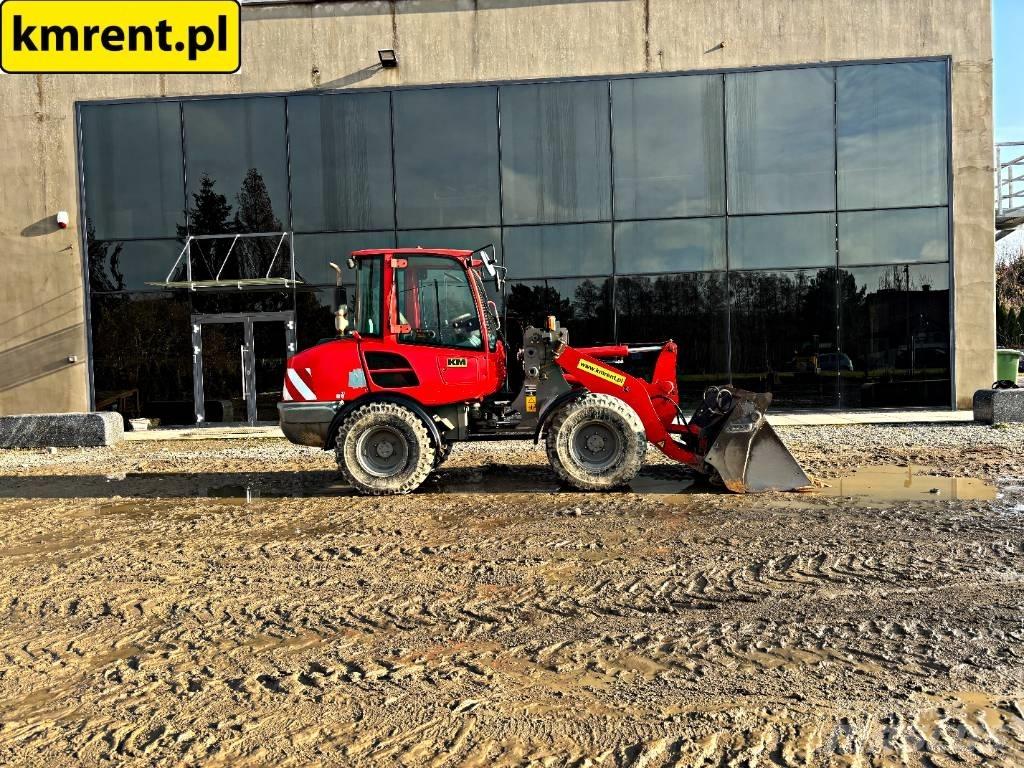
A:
(1013, 329)
(255, 213)
(210, 214)
(104, 265)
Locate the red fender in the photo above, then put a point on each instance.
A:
(655, 402)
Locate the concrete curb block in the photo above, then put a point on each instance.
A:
(61, 430)
(998, 406)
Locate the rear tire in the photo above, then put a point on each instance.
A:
(596, 442)
(384, 449)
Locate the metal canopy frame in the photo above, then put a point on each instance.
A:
(238, 283)
(1009, 187)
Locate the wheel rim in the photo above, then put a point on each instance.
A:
(382, 451)
(595, 446)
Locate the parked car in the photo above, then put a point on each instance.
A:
(834, 361)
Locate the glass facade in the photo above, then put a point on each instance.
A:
(788, 227)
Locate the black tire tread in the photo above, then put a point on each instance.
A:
(422, 451)
(606, 408)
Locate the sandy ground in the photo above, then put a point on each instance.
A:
(230, 603)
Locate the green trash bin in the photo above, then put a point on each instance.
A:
(1007, 361)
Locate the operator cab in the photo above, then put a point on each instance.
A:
(428, 297)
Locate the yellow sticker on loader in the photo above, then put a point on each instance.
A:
(601, 372)
(531, 403)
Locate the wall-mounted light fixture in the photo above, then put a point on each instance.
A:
(63, 219)
(388, 58)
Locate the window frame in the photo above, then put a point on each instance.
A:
(396, 305)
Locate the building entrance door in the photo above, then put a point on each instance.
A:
(238, 364)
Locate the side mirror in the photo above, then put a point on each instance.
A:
(488, 256)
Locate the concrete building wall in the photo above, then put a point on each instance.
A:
(333, 45)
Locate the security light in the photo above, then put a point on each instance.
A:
(388, 59)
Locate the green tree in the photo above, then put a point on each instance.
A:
(104, 263)
(1013, 328)
(255, 213)
(1010, 280)
(1001, 317)
(210, 214)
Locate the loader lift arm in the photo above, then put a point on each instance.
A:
(655, 402)
(727, 438)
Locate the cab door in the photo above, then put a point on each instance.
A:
(436, 322)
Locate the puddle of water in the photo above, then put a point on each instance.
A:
(244, 494)
(492, 480)
(908, 484)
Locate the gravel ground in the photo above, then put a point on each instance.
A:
(232, 603)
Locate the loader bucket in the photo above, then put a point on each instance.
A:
(748, 454)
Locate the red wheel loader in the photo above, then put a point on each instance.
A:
(422, 365)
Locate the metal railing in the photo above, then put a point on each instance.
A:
(1009, 177)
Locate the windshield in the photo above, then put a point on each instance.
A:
(490, 314)
(436, 302)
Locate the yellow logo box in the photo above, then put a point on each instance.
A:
(165, 36)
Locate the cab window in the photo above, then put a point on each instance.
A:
(435, 301)
(368, 287)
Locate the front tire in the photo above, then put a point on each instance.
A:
(596, 442)
(442, 454)
(384, 449)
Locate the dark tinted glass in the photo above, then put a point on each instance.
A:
(779, 134)
(556, 251)
(129, 265)
(468, 239)
(783, 330)
(341, 161)
(237, 166)
(134, 178)
(584, 306)
(555, 161)
(224, 394)
(314, 314)
(671, 245)
(688, 308)
(668, 147)
(891, 237)
(802, 240)
(142, 355)
(367, 318)
(265, 300)
(313, 253)
(895, 331)
(892, 134)
(446, 157)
